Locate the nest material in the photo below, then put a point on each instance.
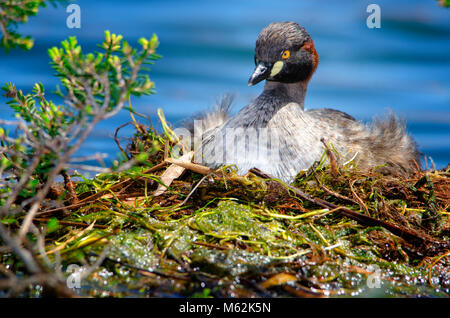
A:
(280, 240)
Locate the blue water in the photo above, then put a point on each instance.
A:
(207, 49)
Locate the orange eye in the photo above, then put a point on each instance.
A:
(286, 54)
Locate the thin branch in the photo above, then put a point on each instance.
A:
(24, 254)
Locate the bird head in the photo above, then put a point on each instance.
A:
(284, 53)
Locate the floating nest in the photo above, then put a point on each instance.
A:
(213, 233)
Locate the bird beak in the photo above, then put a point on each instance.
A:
(261, 72)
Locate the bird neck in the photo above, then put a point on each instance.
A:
(288, 92)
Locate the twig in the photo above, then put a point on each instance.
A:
(360, 202)
(66, 207)
(333, 164)
(22, 182)
(211, 245)
(98, 226)
(73, 199)
(117, 139)
(26, 256)
(337, 195)
(191, 166)
(121, 184)
(88, 271)
(433, 264)
(193, 190)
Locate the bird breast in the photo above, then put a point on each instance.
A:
(280, 143)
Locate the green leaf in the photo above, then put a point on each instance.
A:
(52, 225)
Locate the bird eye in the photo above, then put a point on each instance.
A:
(286, 54)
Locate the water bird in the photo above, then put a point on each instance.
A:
(275, 132)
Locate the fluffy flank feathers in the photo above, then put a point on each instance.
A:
(390, 145)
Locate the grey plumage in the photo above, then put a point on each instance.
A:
(277, 135)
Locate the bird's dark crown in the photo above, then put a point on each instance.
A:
(302, 58)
